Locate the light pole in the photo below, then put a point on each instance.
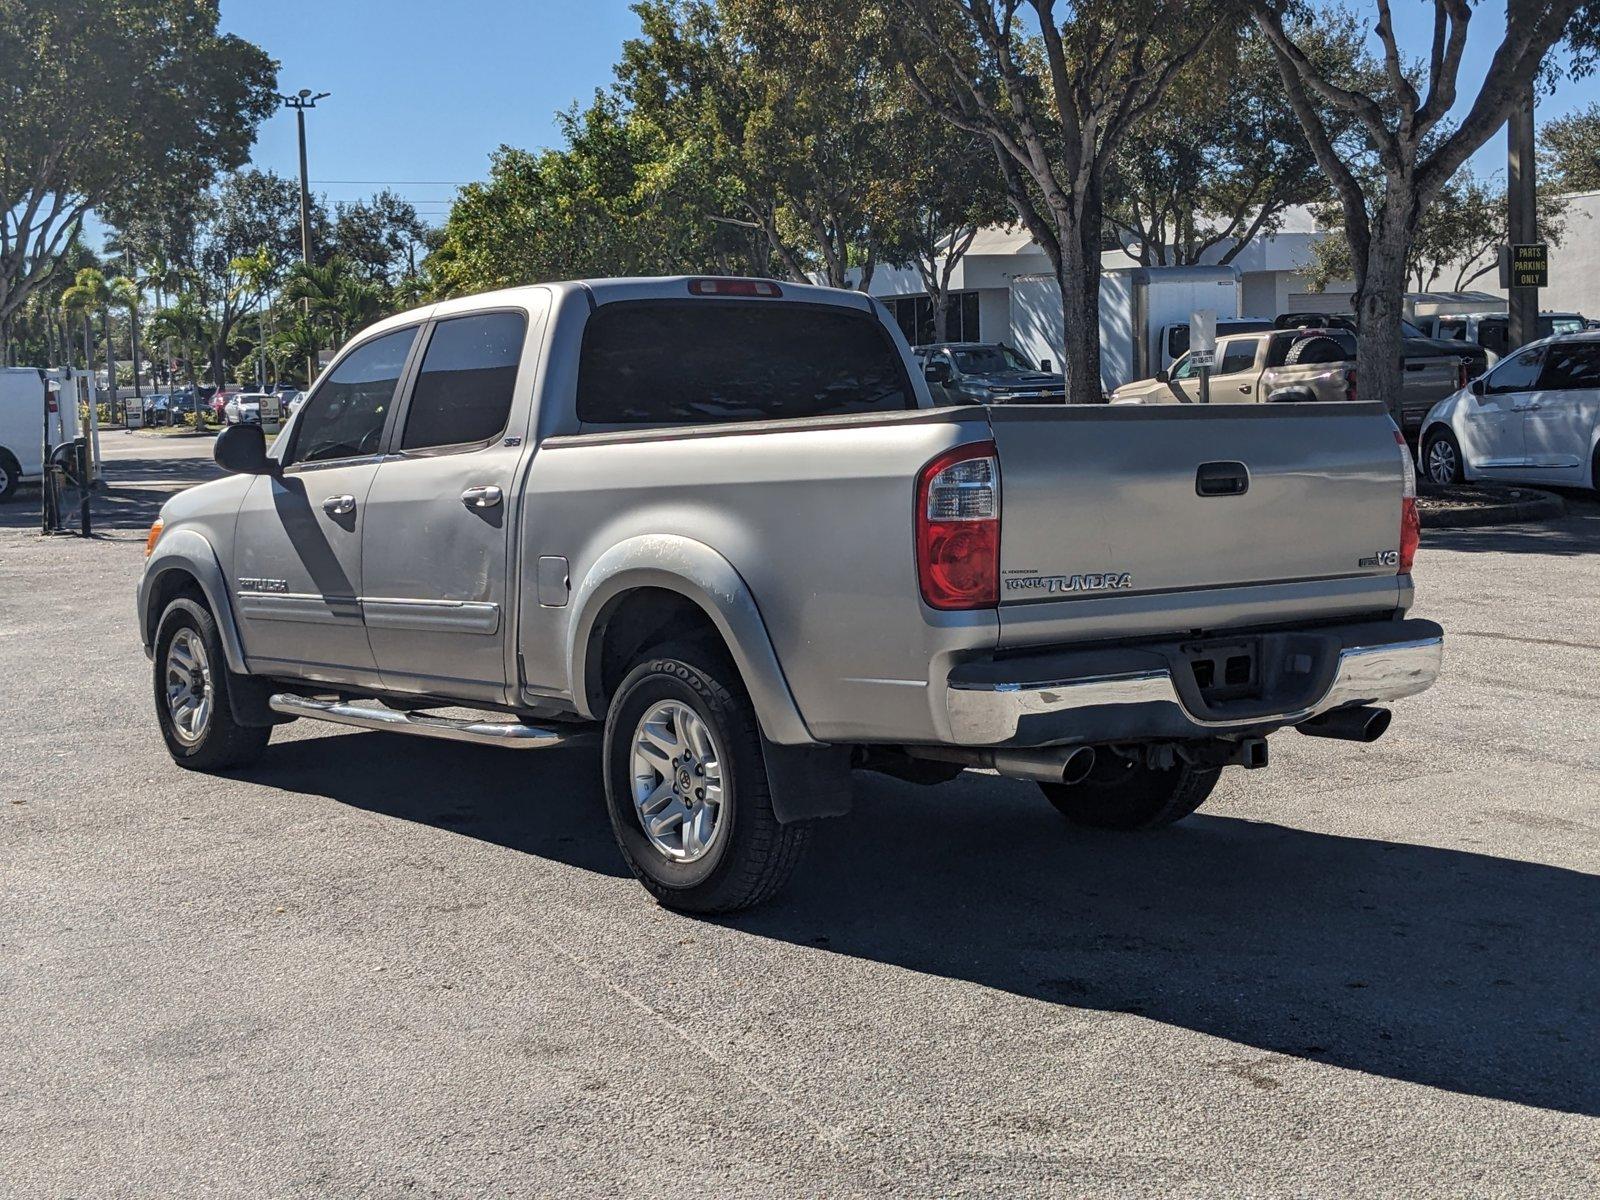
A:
(301, 101)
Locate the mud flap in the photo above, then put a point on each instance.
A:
(807, 781)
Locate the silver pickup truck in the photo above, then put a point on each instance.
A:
(717, 527)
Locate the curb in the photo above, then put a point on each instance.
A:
(1529, 504)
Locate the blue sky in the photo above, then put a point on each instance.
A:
(423, 90)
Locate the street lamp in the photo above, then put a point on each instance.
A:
(300, 101)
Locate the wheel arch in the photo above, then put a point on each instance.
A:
(184, 561)
(628, 575)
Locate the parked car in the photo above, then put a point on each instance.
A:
(1492, 329)
(986, 373)
(155, 408)
(1535, 418)
(719, 527)
(243, 407)
(1300, 364)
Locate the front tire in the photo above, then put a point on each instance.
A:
(194, 703)
(1441, 458)
(1120, 793)
(686, 787)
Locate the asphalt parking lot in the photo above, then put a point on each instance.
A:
(380, 966)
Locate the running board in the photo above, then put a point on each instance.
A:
(514, 735)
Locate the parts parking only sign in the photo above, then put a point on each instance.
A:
(1525, 265)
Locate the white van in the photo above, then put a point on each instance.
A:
(28, 398)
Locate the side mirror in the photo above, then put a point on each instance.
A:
(242, 450)
(1478, 387)
(937, 372)
(1162, 377)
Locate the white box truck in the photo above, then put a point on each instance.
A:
(32, 407)
(1144, 317)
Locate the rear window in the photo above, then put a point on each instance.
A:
(697, 361)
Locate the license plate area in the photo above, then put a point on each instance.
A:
(1225, 672)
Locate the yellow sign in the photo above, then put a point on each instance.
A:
(1530, 265)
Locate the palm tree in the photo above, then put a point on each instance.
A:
(127, 295)
(184, 324)
(360, 304)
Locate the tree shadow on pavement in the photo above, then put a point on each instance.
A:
(1440, 967)
(1576, 533)
(135, 490)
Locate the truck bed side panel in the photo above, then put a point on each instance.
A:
(815, 516)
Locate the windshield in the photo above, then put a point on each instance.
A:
(1410, 330)
(990, 360)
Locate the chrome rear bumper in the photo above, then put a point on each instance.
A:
(1140, 693)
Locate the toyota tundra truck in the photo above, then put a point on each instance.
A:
(717, 529)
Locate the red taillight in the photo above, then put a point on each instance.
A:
(1350, 385)
(1410, 521)
(958, 528)
(1461, 373)
(54, 407)
(734, 287)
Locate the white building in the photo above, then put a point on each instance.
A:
(986, 304)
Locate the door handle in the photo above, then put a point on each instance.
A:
(339, 506)
(1222, 479)
(1245, 388)
(483, 496)
(1527, 408)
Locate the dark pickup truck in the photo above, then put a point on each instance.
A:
(986, 373)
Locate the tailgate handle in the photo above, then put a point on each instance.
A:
(1222, 479)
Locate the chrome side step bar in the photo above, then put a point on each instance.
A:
(514, 735)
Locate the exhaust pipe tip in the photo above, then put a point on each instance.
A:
(1364, 724)
(1376, 724)
(1078, 765)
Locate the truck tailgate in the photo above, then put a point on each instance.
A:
(1160, 506)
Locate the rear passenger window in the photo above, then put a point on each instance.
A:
(694, 361)
(463, 391)
(1238, 356)
(1571, 365)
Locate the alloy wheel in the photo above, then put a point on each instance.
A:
(188, 687)
(676, 769)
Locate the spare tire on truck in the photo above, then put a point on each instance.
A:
(1318, 348)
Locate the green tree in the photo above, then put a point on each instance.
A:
(1223, 159)
(946, 191)
(618, 198)
(252, 218)
(1056, 94)
(1412, 146)
(106, 105)
(790, 108)
(182, 328)
(1456, 240)
(88, 295)
(126, 295)
(1569, 151)
(381, 238)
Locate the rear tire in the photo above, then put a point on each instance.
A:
(1441, 458)
(194, 703)
(686, 710)
(1120, 793)
(10, 475)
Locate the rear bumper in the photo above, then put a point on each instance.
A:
(1148, 691)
